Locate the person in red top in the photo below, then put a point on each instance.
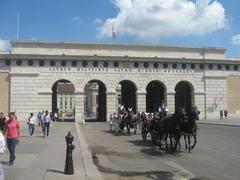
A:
(12, 136)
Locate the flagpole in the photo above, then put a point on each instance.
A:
(113, 34)
(18, 18)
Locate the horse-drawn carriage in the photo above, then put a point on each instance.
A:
(125, 123)
(162, 127)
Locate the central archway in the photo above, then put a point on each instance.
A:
(63, 100)
(128, 94)
(156, 95)
(95, 101)
(184, 96)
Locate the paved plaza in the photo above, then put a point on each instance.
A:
(215, 157)
(41, 158)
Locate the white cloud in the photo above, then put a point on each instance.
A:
(236, 39)
(98, 21)
(76, 19)
(154, 19)
(4, 45)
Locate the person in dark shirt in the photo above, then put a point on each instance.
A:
(2, 121)
(221, 114)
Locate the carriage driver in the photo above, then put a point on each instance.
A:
(163, 109)
(130, 109)
(122, 111)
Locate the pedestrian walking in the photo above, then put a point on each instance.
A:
(225, 114)
(31, 124)
(39, 115)
(12, 133)
(46, 121)
(2, 151)
(55, 116)
(2, 121)
(221, 114)
(197, 112)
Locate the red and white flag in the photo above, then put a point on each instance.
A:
(113, 32)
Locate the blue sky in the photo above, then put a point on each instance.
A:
(168, 22)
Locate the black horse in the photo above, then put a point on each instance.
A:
(172, 130)
(154, 128)
(188, 128)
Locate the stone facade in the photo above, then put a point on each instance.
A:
(36, 66)
(4, 92)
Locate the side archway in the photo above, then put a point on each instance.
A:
(184, 96)
(95, 106)
(126, 91)
(63, 99)
(156, 95)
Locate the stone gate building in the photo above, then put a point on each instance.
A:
(140, 76)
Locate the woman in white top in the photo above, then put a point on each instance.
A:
(2, 150)
(31, 124)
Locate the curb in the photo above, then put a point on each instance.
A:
(90, 170)
(219, 124)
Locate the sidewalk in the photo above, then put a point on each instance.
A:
(39, 158)
(227, 122)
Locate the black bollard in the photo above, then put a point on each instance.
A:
(69, 162)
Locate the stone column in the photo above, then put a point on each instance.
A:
(141, 101)
(79, 106)
(171, 102)
(111, 103)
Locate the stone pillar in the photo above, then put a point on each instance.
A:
(79, 106)
(141, 101)
(111, 103)
(171, 102)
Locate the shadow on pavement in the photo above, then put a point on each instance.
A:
(151, 150)
(117, 134)
(141, 143)
(164, 175)
(55, 171)
(108, 132)
(5, 162)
